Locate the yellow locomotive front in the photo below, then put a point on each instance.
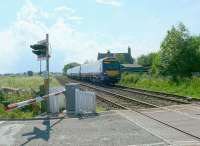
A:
(111, 70)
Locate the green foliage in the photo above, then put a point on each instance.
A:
(25, 112)
(30, 73)
(184, 86)
(68, 66)
(172, 67)
(24, 82)
(155, 64)
(179, 55)
(146, 60)
(53, 82)
(1, 96)
(14, 114)
(100, 109)
(21, 82)
(130, 78)
(180, 52)
(121, 58)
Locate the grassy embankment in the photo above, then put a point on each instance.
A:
(185, 86)
(31, 86)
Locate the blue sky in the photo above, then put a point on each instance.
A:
(79, 29)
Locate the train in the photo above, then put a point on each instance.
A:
(106, 70)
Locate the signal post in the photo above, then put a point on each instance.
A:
(46, 79)
(41, 49)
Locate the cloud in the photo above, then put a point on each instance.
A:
(30, 26)
(116, 3)
(64, 9)
(67, 13)
(67, 43)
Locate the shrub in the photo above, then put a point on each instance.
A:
(182, 86)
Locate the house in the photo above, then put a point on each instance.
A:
(124, 58)
(126, 61)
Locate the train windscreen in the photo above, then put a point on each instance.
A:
(111, 65)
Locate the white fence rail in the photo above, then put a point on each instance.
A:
(85, 102)
(56, 103)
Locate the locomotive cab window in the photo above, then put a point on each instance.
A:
(111, 65)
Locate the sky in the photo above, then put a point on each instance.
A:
(79, 29)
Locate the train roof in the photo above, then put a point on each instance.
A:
(106, 58)
(100, 60)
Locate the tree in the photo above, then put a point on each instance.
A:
(68, 66)
(121, 58)
(146, 60)
(30, 73)
(155, 67)
(180, 52)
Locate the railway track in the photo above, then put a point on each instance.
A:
(162, 95)
(132, 96)
(139, 107)
(111, 98)
(146, 115)
(102, 102)
(124, 102)
(153, 100)
(119, 99)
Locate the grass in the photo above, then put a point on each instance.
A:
(100, 109)
(185, 86)
(31, 84)
(15, 113)
(25, 82)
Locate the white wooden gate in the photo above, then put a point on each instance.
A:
(85, 102)
(56, 103)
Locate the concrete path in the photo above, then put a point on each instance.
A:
(123, 128)
(183, 117)
(106, 129)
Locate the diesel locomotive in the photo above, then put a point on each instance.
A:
(106, 70)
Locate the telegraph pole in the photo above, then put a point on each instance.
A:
(46, 80)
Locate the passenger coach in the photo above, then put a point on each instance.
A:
(106, 70)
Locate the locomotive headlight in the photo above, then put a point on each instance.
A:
(112, 73)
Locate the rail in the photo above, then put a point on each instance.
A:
(153, 93)
(122, 96)
(160, 95)
(151, 117)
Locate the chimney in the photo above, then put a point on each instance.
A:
(129, 50)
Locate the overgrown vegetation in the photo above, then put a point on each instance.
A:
(146, 60)
(68, 66)
(179, 55)
(175, 68)
(183, 86)
(24, 82)
(122, 59)
(30, 86)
